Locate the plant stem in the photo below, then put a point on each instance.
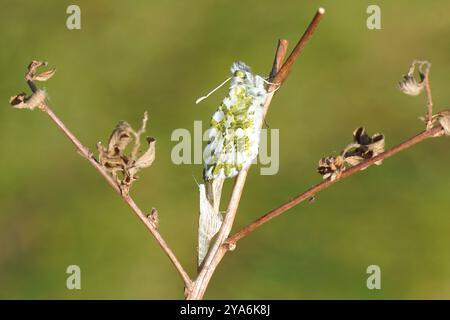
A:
(231, 242)
(85, 153)
(287, 66)
(278, 60)
(217, 251)
(429, 99)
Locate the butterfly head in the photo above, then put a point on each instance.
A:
(239, 69)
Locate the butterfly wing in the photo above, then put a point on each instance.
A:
(235, 127)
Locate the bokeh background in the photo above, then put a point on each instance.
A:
(55, 210)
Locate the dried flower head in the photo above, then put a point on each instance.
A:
(33, 76)
(409, 84)
(37, 99)
(363, 147)
(124, 167)
(22, 101)
(442, 119)
(331, 167)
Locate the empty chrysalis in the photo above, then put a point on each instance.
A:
(236, 125)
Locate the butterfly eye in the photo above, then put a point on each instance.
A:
(240, 74)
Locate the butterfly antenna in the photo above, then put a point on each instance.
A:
(268, 82)
(210, 93)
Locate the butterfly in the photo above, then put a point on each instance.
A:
(234, 133)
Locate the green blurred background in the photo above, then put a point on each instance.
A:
(55, 210)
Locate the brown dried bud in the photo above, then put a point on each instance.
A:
(363, 148)
(32, 68)
(441, 118)
(331, 167)
(409, 84)
(18, 100)
(44, 76)
(154, 218)
(120, 138)
(114, 159)
(367, 147)
(146, 160)
(444, 121)
(21, 101)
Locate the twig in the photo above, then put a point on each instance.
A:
(277, 64)
(287, 66)
(279, 56)
(217, 251)
(429, 99)
(231, 242)
(85, 153)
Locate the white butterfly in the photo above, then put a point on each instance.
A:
(236, 125)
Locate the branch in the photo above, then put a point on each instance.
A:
(85, 153)
(231, 242)
(217, 251)
(287, 66)
(429, 98)
(279, 57)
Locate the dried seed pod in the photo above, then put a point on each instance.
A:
(18, 101)
(147, 158)
(363, 147)
(44, 76)
(21, 101)
(409, 84)
(354, 159)
(331, 167)
(37, 98)
(369, 146)
(116, 160)
(32, 68)
(443, 119)
(120, 138)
